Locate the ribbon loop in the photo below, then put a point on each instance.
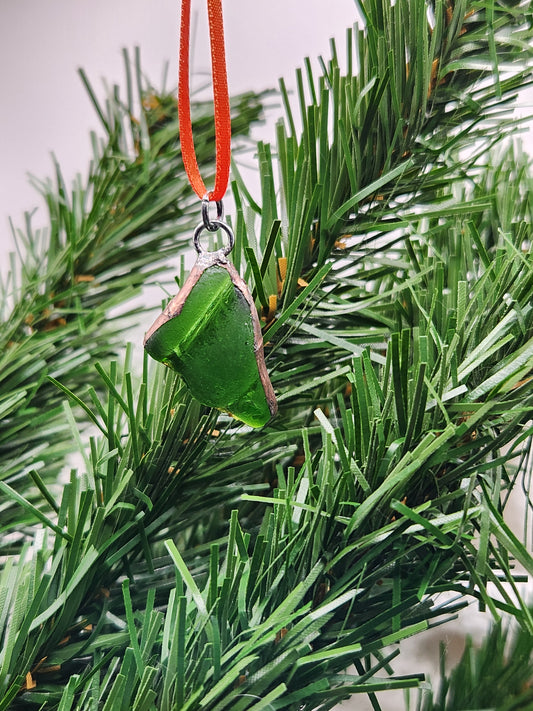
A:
(220, 100)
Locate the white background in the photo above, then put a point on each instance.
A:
(45, 108)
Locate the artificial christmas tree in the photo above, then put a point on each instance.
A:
(190, 562)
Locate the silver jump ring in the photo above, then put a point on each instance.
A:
(211, 225)
(217, 225)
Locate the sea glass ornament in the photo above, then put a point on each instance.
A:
(210, 334)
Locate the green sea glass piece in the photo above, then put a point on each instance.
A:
(210, 334)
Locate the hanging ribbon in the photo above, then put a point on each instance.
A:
(221, 102)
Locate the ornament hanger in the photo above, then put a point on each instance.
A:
(220, 100)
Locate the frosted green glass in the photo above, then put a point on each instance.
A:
(210, 342)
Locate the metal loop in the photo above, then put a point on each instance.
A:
(211, 225)
(217, 225)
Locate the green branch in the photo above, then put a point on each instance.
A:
(193, 564)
